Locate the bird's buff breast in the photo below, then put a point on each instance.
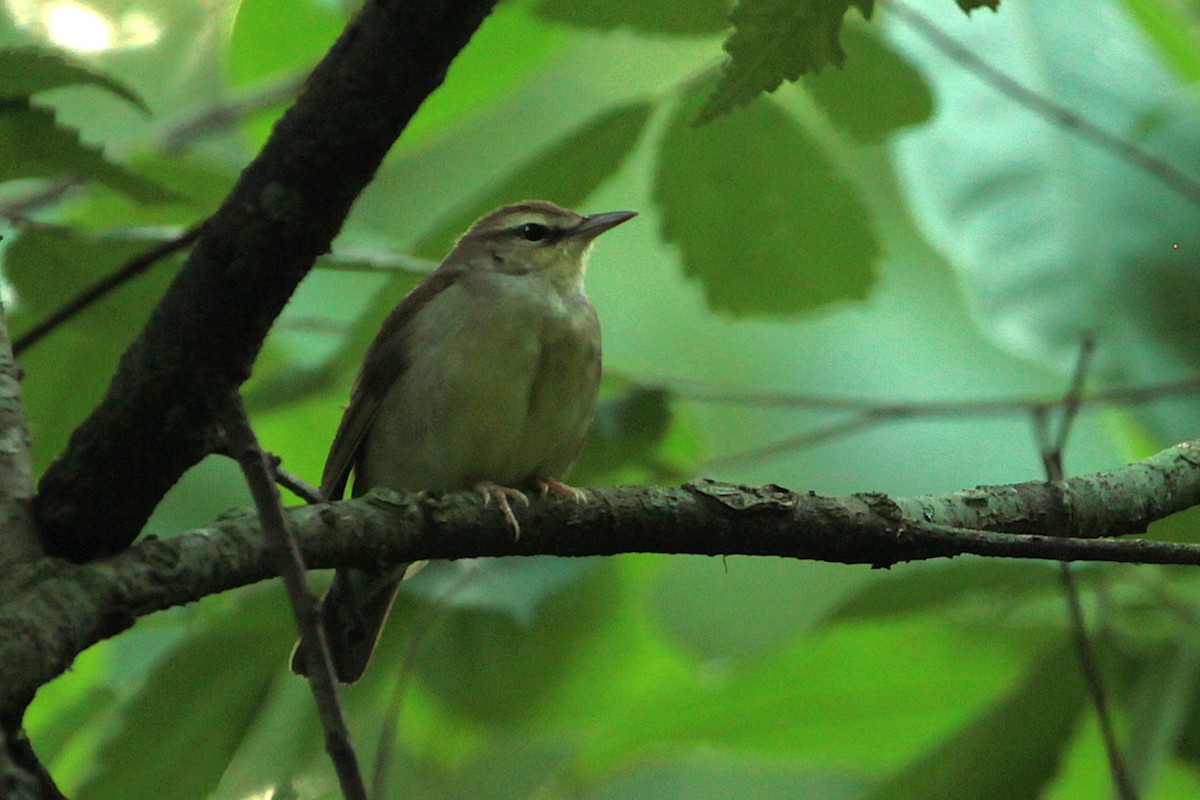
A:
(501, 387)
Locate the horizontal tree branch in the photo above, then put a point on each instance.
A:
(65, 608)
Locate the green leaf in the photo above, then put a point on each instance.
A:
(181, 730)
(763, 219)
(918, 588)
(1104, 245)
(707, 774)
(196, 183)
(1173, 30)
(27, 71)
(1163, 694)
(733, 602)
(663, 17)
(627, 429)
(512, 586)
(34, 145)
(508, 768)
(879, 94)
(47, 266)
(565, 173)
(1012, 750)
(487, 666)
(970, 5)
(777, 40)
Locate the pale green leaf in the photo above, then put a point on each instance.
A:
(1051, 234)
(708, 774)
(1173, 27)
(47, 266)
(1011, 751)
(566, 172)
(181, 730)
(35, 145)
(763, 219)
(663, 17)
(876, 95)
(27, 71)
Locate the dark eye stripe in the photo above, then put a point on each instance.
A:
(533, 232)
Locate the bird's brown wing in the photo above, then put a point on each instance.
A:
(385, 362)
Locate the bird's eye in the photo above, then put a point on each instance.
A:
(533, 232)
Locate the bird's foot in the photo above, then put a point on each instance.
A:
(501, 494)
(548, 485)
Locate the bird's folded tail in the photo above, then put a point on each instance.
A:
(353, 612)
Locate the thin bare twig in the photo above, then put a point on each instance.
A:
(389, 733)
(855, 424)
(127, 271)
(1051, 451)
(1164, 171)
(993, 406)
(229, 112)
(294, 483)
(867, 414)
(257, 468)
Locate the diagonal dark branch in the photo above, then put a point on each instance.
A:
(257, 467)
(205, 333)
(1051, 450)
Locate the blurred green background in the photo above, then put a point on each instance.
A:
(893, 231)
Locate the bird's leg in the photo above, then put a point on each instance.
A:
(548, 485)
(494, 491)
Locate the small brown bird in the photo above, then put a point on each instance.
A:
(484, 376)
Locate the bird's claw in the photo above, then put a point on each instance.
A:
(548, 485)
(501, 494)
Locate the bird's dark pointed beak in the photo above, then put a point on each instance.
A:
(595, 224)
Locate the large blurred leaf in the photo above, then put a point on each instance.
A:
(774, 40)
(27, 71)
(665, 16)
(510, 769)
(1051, 234)
(919, 588)
(197, 185)
(273, 37)
(1010, 752)
(486, 666)
(849, 696)
(487, 69)
(878, 93)
(565, 173)
(67, 373)
(281, 741)
(512, 586)
(756, 603)
(714, 775)
(66, 720)
(763, 218)
(1163, 693)
(626, 431)
(1173, 27)
(34, 145)
(179, 733)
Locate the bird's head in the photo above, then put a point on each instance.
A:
(534, 236)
